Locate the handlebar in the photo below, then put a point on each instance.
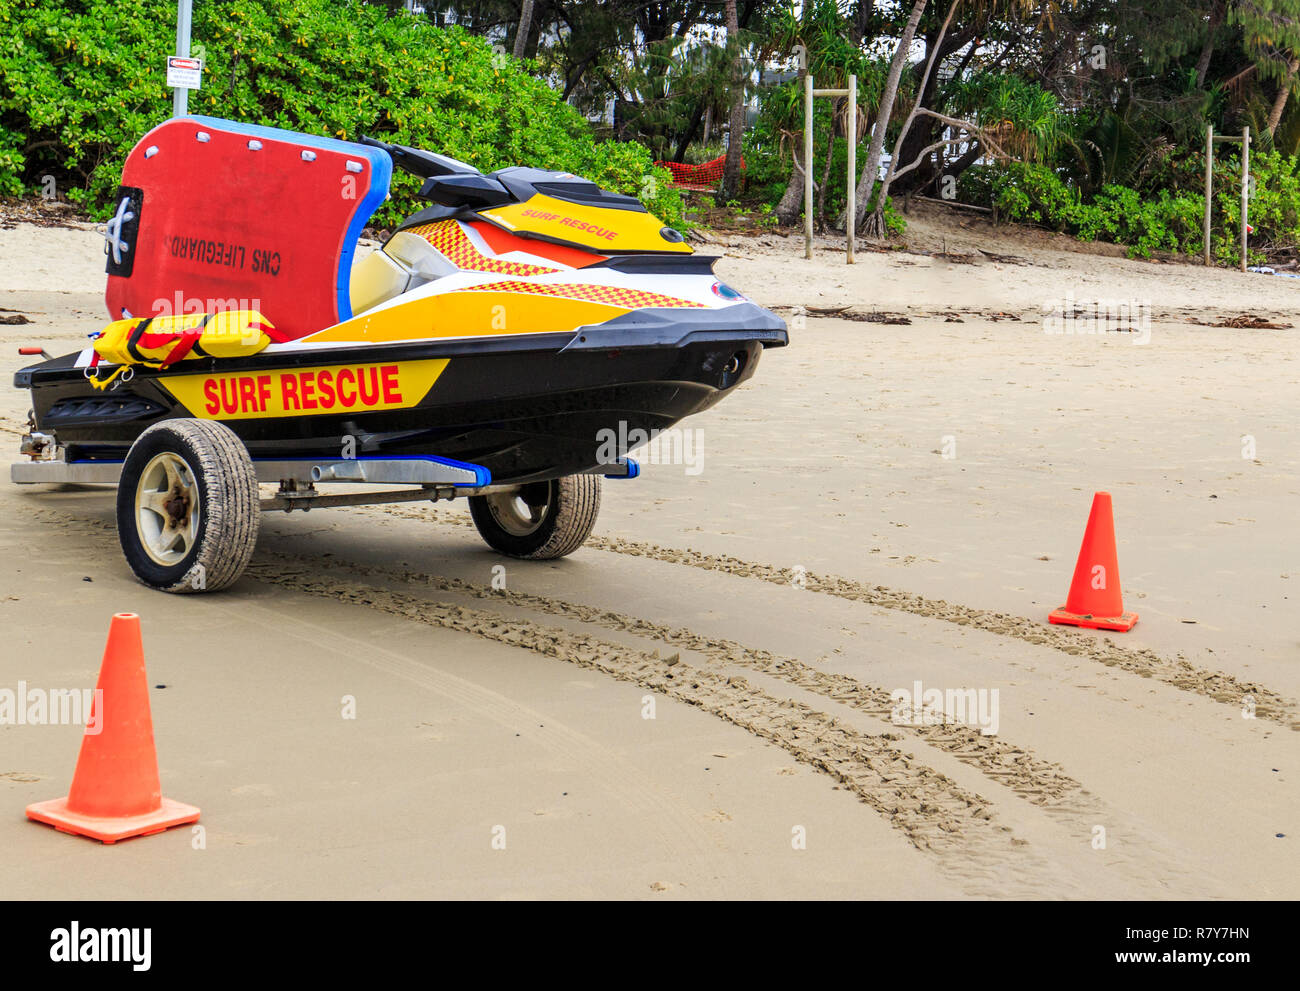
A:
(424, 164)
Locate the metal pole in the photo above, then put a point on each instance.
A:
(851, 132)
(1245, 189)
(180, 95)
(807, 165)
(1209, 184)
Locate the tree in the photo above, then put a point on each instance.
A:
(1272, 36)
(872, 165)
(1218, 9)
(525, 25)
(736, 134)
(821, 28)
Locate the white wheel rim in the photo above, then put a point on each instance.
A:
(515, 515)
(167, 509)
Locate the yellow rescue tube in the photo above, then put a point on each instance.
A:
(157, 342)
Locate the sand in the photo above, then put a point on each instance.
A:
(827, 553)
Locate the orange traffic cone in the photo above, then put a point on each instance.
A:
(1095, 599)
(115, 791)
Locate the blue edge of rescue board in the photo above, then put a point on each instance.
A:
(381, 173)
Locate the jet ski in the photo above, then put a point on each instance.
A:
(492, 347)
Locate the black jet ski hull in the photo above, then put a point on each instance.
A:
(524, 414)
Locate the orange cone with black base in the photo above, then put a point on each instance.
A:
(1095, 599)
(115, 791)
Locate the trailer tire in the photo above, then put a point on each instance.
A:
(542, 520)
(188, 506)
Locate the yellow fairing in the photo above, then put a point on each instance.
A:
(599, 229)
(456, 314)
(229, 334)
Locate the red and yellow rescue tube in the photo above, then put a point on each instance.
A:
(160, 342)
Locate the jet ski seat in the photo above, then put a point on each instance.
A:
(214, 215)
(404, 262)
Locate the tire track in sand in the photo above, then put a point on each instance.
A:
(935, 813)
(1040, 782)
(1145, 663)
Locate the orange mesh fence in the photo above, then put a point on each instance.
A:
(704, 176)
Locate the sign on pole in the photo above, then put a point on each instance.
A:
(184, 72)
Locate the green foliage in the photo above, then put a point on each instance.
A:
(1026, 118)
(82, 81)
(1274, 208)
(1166, 220)
(1272, 36)
(768, 163)
(1035, 193)
(671, 82)
(1163, 222)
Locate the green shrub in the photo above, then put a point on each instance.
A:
(1274, 207)
(1155, 220)
(82, 80)
(1167, 222)
(1164, 221)
(1025, 192)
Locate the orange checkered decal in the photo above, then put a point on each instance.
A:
(447, 237)
(612, 295)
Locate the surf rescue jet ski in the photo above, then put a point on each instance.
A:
(490, 348)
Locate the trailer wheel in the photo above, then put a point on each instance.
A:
(187, 506)
(539, 521)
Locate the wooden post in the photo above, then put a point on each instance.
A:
(851, 132)
(1245, 189)
(808, 165)
(1209, 184)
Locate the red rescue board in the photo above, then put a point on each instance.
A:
(215, 215)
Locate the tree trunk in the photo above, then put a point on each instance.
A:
(525, 27)
(872, 165)
(875, 225)
(858, 26)
(787, 211)
(689, 134)
(1283, 92)
(1207, 50)
(736, 135)
(920, 134)
(826, 176)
